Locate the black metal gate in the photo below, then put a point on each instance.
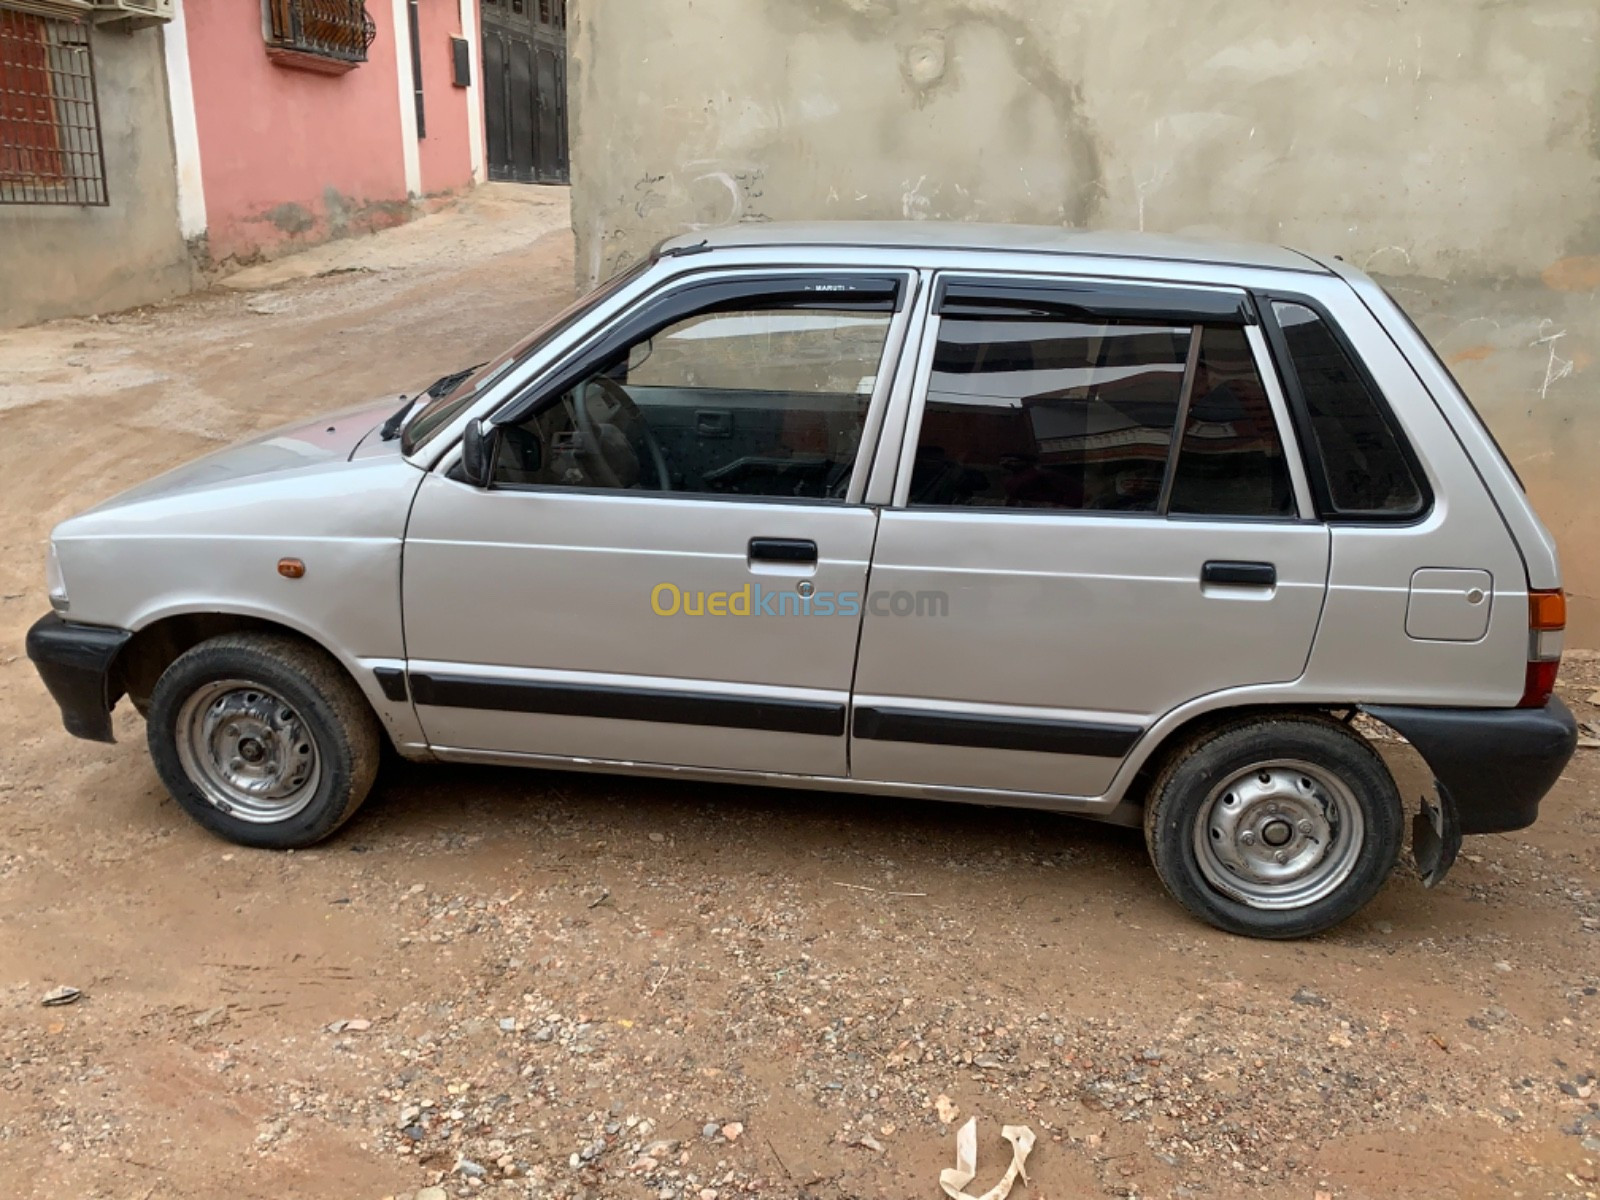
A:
(525, 89)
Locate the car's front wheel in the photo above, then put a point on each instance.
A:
(263, 739)
(1275, 828)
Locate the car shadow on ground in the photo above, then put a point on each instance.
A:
(739, 822)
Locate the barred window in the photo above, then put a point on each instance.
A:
(337, 30)
(50, 146)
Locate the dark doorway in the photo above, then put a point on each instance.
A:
(525, 89)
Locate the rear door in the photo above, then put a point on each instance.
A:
(1096, 516)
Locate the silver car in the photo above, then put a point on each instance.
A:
(1122, 526)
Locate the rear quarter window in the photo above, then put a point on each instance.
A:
(1368, 469)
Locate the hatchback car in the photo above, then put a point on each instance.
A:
(1121, 526)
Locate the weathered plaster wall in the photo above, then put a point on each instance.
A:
(60, 261)
(1450, 146)
(291, 157)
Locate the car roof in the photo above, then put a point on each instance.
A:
(964, 235)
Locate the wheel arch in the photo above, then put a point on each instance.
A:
(155, 645)
(1169, 739)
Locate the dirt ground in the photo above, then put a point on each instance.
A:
(528, 984)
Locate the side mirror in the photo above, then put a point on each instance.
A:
(478, 445)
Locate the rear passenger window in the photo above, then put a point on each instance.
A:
(1049, 413)
(1366, 466)
(1079, 414)
(1231, 461)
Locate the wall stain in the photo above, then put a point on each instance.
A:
(290, 218)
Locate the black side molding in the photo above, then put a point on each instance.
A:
(75, 661)
(819, 717)
(393, 682)
(1242, 574)
(1088, 738)
(1492, 765)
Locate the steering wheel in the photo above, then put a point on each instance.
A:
(621, 405)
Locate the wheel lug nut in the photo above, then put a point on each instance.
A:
(1280, 857)
(1248, 838)
(1304, 827)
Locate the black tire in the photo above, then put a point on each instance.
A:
(1182, 796)
(328, 705)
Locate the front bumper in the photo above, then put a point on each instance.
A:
(77, 664)
(1492, 765)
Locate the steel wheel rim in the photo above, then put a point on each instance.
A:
(248, 751)
(1280, 834)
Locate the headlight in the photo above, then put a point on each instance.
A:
(55, 582)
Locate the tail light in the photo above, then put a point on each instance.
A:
(1547, 619)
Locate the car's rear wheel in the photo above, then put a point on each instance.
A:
(1278, 828)
(263, 739)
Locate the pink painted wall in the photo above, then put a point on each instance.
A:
(292, 156)
(445, 155)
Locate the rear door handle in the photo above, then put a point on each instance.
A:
(783, 550)
(1240, 574)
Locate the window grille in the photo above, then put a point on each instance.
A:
(335, 29)
(50, 144)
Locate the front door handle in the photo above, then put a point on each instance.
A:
(1240, 574)
(783, 550)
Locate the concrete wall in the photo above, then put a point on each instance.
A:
(56, 261)
(1451, 147)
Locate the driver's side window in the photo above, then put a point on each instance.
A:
(749, 401)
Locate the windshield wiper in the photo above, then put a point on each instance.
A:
(391, 428)
(437, 390)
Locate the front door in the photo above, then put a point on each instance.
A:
(525, 89)
(667, 567)
(1095, 520)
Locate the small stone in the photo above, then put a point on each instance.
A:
(414, 1132)
(432, 1193)
(871, 1143)
(471, 1169)
(708, 1194)
(1385, 927)
(709, 1129)
(58, 996)
(989, 1062)
(948, 1110)
(1310, 998)
(732, 1130)
(1568, 1089)
(507, 1024)
(1151, 1056)
(210, 1016)
(658, 837)
(1503, 967)
(359, 1025)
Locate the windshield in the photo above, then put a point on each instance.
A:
(441, 410)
